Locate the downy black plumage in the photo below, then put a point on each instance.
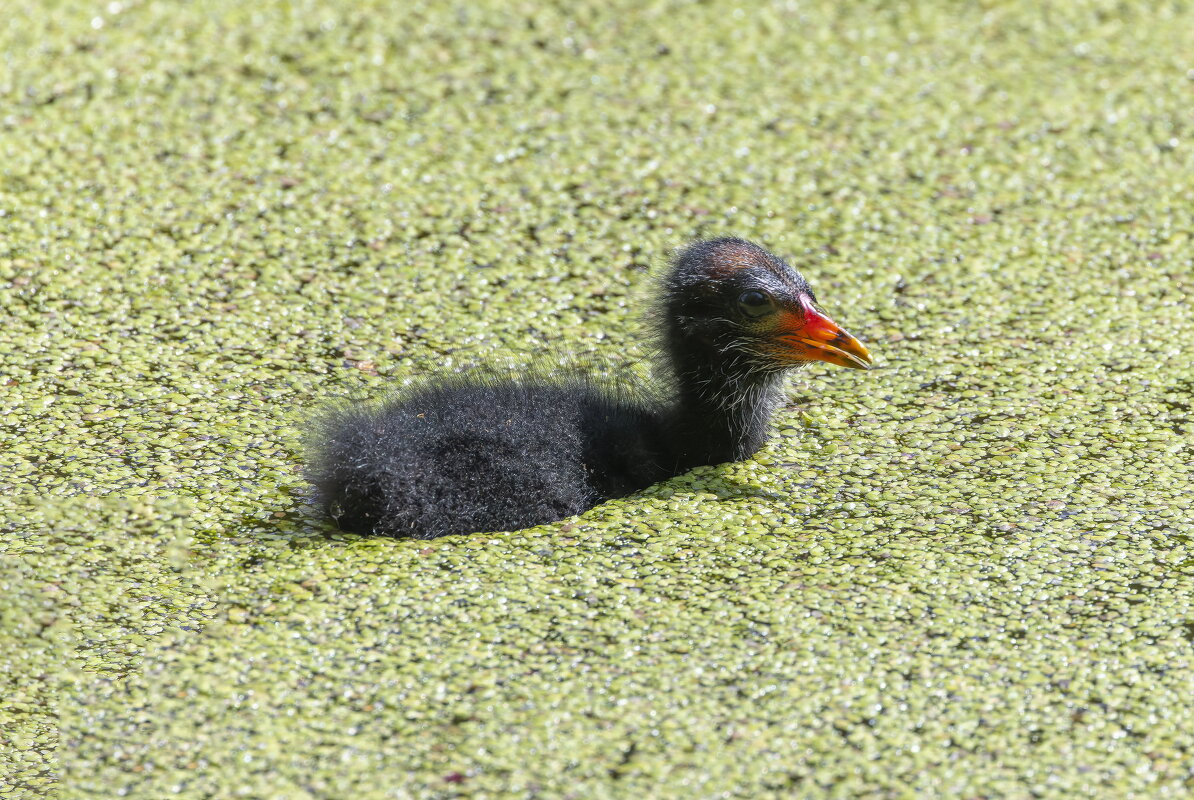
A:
(469, 453)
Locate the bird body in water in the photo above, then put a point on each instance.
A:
(467, 454)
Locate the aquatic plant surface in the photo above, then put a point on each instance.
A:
(966, 573)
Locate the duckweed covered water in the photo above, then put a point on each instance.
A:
(964, 574)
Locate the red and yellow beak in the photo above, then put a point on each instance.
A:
(812, 336)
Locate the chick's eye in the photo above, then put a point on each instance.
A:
(755, 304)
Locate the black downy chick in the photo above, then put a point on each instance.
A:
(464, 454)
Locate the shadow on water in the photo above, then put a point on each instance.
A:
(302, 524)
(717, 481)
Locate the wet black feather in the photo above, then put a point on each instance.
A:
(469, 454)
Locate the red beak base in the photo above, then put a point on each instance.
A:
(812, 336)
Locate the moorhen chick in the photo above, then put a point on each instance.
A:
(461, 454)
